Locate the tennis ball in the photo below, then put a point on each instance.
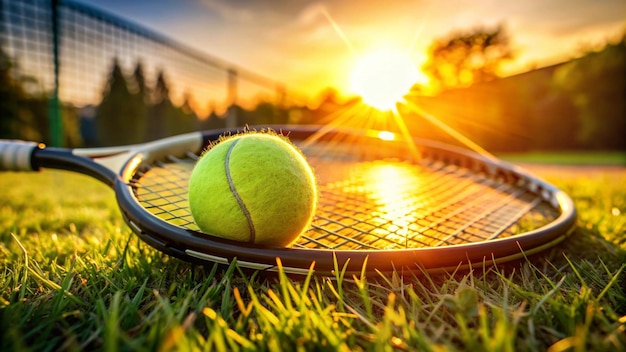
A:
(253, 187)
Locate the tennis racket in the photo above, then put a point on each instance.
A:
(385, 203)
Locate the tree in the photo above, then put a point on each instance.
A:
(140, 86)
(11, 93)
(184, 119)
(140, 99)
(161, 112)
(117, 120)
(213, 121)
(468, 57)
(265, 113)
(17, 118)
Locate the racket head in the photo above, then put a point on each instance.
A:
(357, 221)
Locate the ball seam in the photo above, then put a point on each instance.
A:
(233, 190)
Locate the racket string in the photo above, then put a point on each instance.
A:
(369, 205)
(162, 190)
(459, 206)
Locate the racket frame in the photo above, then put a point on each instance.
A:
(198, 247)
(116, 166)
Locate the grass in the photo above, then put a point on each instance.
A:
(581, 158)
(73, 277)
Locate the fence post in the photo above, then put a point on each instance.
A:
(55, 116)
(231, 116)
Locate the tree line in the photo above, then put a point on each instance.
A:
(132, 112)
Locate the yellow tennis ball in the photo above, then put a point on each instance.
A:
(254, 187)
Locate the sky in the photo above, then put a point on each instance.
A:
(310, 45)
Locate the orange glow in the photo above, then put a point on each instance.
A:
(383, 77)
(386, 135)
(390, 184)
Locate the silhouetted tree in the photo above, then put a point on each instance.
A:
(140, 100)
(71, 126)
(11, 93)
(468, 57)
(213, 121)
(161, 112)
(184, 119)
(140, 86)
(265, 113)
(18, 119)
(117, 119)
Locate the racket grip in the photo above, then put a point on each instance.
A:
(16, 155)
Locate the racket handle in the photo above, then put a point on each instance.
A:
(16, 155)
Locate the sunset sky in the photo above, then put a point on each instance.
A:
(296, 42)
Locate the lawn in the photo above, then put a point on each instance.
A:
(581, 158)
(74, 277)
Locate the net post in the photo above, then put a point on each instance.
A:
(55, 117)
(231, 116)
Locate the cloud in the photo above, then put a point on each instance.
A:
(227, 12)
(312, 13)
(265, 12)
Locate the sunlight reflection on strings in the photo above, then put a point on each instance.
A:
(387, 183)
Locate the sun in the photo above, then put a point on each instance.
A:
(383, 77)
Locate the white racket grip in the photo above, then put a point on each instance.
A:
(16, 155)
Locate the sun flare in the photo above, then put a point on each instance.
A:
(382, 78)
